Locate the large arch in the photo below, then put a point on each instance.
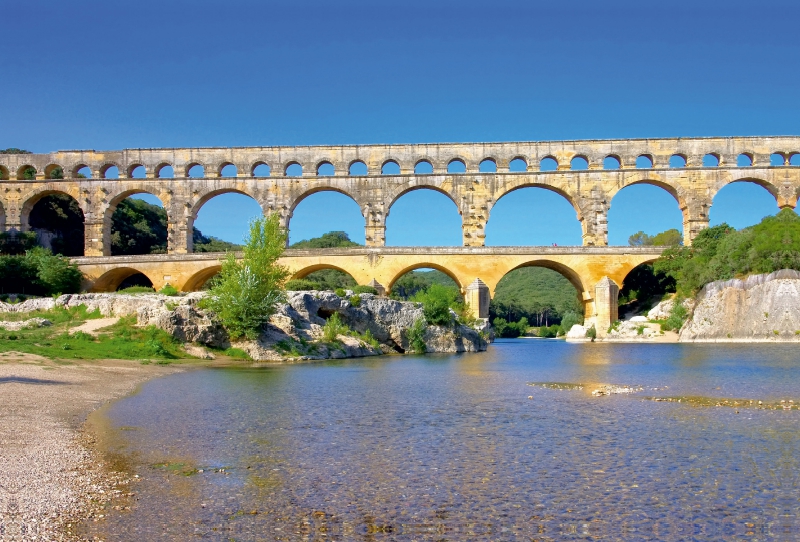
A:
(649, 218)
(743, 202)
(343, 215)
(113, 203)
(414, 223)
(64, 231)
(564, 270)
(425, 265)
(505, 199)
(110, 280)
(234, 221)
(198, 280)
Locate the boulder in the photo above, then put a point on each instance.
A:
(577, 332)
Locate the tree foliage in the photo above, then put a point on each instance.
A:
(60, 215)
(671, 237)
(39, 272)
(722, 253)
(332, 239)
(244, 293)
(437, 300)
(540, 295)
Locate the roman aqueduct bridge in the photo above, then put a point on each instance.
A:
(473, 175)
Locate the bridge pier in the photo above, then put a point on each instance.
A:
(606, 305)
(478, 298)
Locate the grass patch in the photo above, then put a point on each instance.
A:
(123, 341)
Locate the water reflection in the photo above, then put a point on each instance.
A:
(450, 448)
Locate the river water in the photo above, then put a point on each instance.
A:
(451, 447)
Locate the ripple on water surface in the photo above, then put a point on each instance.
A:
(452, 448)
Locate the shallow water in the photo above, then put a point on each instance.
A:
(451, 448)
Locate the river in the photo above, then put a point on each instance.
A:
(452, 447)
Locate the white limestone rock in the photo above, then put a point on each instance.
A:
(577, 332)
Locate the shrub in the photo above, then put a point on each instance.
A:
(333, 328)
(299, 285)
(355, 300)
(137, 290)
(169, 290)
(677, 317)
(340, 292)
(549, 332)
(361, 289)
(416, 337)
(39, 272)
(368, 338)
(244, 293)
(436, 303)
(591, 333)
(570, 319)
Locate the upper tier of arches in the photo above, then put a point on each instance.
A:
(485, 158)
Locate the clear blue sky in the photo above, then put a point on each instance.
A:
(108, 75)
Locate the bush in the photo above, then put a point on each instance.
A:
(137, 290)
(333, 328)
(355, 300)
(416, 337)
(677, 317)
(436, 303)
(340, 292)
(361, 289)
(39, 272)
(549, 332)
(300, 285)
(169, 290)
(570, 319)
(591, 333)
(244, 293)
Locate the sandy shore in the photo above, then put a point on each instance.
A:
(51, 478)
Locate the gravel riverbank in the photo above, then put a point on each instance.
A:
(51, 477)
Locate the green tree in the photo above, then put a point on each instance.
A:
(437, 300)
(39, 272)
(668, 238)
(62, 216)
(138, 227)
(639, 239)
(332, 239)
(244, 294)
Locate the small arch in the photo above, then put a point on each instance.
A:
(456, 165)
(81, 171)
(293, 169)
(137, 171)
(325, 169)
(109, 171)
(778, 159)
(518, 165)
(644, 161)
(228, 169)
(794, 159)
(548, 163)
(165, 171)
(579, 163)
(612, 161)
(488, 165)
(26, 173)
(677, 161)
(390, 167)
(112, 280)
(358, 168)
(195, 171)
(711, 160)
(426, 265)
(423, 167)
(260, 169)
(744, 160)
(53, 171)
(197, 281)
(3, 173)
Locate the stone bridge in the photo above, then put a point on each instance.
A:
(473, 175)
(594, 271)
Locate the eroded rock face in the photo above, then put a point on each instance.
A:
(760, 308)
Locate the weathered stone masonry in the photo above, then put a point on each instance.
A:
(590, 191)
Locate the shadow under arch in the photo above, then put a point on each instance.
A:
(36, 197)
(110, 280)
(198, 280)
(425, 265)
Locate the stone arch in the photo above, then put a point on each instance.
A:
(32, 198)
(426, 265)
(616, 158)
(259, 163)
(564, 270)
(691, 208)
(196, 281)
(305, 271)
(321, 163)
(160, 167)
(391, 160)
(202, 199)
(401, 191)
(3, 173)
(225, 164)
(674, 190)
(325, 188)
(2, 216)
(133, 167)
(192, 165)
(521, 159)
(115, 198)
(715, 188)
(492, 161)
(574, 162)
(291, 163)
(108, 165)
(110, 280)
(513, 185)
(543, 163)
(352, 163)
(50, 169)
(22, 169)
(458, 159)
(75, 171)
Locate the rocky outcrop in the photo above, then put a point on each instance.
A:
(759, 308)
(376, 325)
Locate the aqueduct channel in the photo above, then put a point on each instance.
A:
(587, 173)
